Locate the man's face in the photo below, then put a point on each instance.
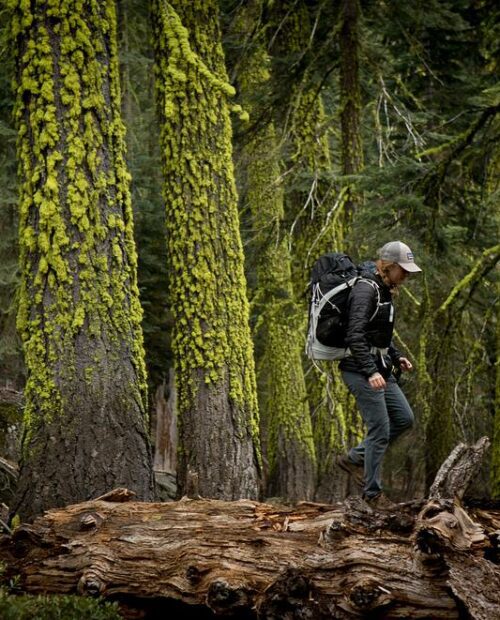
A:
(397, 275)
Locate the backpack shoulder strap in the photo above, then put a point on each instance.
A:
(322, 299)
(376, 288)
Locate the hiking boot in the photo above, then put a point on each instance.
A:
(355, 471)
(380, 502)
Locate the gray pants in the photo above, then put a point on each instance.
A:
(386, 414)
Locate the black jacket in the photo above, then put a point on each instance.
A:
(371, 323)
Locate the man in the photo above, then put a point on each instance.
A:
(367, 371)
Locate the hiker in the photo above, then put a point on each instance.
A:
(367, 371)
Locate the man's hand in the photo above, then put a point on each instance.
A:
(377, 381)
(405, 364)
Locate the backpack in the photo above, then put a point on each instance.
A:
(332, 278)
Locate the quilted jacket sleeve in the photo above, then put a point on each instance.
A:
(395, 354)
(361, 306)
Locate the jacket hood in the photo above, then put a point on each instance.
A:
(368, 270)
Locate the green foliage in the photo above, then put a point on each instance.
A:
(144, 164)
(55, 607)
(429, 180)
(11, 365)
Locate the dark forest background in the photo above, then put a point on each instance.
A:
(371, 121)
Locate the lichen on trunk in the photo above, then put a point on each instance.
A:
(213, 353)
(79, 311)
(286, 433)
(314, 214)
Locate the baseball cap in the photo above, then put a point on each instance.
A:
(398, 252)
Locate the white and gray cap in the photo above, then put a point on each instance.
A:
(398, 252)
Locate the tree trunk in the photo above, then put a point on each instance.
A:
(165, 456)
(285, 424)
(457, 471)
(79, 312)
(244, 559)
(350, 102)
(165, 453)
(212, 346)
(495, 452)
(250, 560)
(313, 214)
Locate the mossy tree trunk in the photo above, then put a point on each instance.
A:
(212, 346)
(493, 354)
(314, 210)
(286, 432)
(453, 359)
(11, 361)
(350, 99)
(439, 427)
(79, 315)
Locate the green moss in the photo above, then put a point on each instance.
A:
(286, 425)
(470, 277)
(212, 339)
(76, 237)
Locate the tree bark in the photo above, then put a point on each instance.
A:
(85, 427)
(11, 397)
(456, 473)
(246, 559)
(350, 113)
(212, 346)
(165, 456)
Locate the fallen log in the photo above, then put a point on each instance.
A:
(200, 558)
(207, 558)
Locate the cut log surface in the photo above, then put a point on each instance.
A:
(246, 559)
